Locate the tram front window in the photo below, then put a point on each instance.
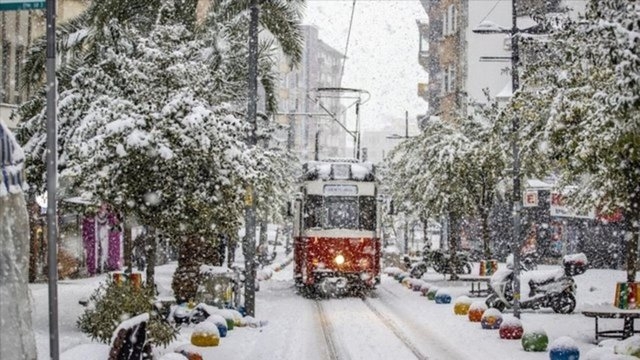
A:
(342, 212)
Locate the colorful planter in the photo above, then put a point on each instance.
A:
(220, 323)
(461, 305)
(424, 289)
(205, 334)
(564, 348)
(442, 297)
(491, 319)
(511, 329)
(431, 294)
(476, 310)
(536, 340)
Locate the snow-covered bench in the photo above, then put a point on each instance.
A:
(608, 311)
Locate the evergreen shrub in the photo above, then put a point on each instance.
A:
(112, 303)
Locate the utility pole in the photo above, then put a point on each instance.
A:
(52, 179)
(515, 130)
(517, 195)
(249, 241)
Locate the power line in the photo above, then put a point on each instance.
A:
(490, 11)
(346, 48)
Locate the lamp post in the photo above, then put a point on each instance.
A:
(249, 241)
(490, 28)
(406, 136)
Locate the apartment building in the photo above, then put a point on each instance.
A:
(313, 133)
(18, 31)
(461, 63)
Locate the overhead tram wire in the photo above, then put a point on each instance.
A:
(346, 48)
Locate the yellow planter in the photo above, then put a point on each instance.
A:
(461, 308)
(204, 339)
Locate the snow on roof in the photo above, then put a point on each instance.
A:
(345, 169)
(575, 258)
(538, 184)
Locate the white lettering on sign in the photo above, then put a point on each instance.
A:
(337, 190)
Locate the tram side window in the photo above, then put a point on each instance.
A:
(367, 213)
(313, 211)
(342, 212)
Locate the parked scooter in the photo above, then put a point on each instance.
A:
(441, 262)
(555, 289)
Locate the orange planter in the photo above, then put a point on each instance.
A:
(476, 310)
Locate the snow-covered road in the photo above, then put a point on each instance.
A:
(392, 323)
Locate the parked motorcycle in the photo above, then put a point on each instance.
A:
(549, 289)
(528, 261)
(441, 262)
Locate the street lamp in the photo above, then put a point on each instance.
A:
(397, 137)
(487, 27)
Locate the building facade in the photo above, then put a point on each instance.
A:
(462, 64)
(18, 31)
(313, 132)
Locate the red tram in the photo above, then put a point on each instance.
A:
(337, 228)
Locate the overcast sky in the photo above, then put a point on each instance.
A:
(382, 56)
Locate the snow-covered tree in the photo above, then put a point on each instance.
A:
(580, 99)
(154, 127)
(457, 168)
(435, 165)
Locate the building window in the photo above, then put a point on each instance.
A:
(453, 22)
(424, 43)
(20, 58)
(444, 83)
(451, 86)
(445, 25)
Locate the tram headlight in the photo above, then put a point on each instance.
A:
(339, 259)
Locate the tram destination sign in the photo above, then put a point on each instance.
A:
(8, 5)
(340, 190)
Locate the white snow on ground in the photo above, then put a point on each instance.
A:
(294, 328)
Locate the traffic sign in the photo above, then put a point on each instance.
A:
(7, 5)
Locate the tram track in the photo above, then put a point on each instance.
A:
(396, 330)
(334, 346)
(327, 333)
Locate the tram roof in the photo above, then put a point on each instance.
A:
(339, 169)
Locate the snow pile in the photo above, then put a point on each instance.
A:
(213, 270)
(630, 346)
(130, 324)
(463, 300)
(207, 327)
(173, 356)
(392, 270)
(511, 321)
(88, 352)
(579, 258)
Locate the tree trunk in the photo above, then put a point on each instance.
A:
(486, 234)
(454, 235)
(128, 246)
(262, 241)
(425, 232)
(35, 229)
(631, 237)
(151, 245)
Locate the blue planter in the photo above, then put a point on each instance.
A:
(222, 329)
(443, 299)
(564, 354)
